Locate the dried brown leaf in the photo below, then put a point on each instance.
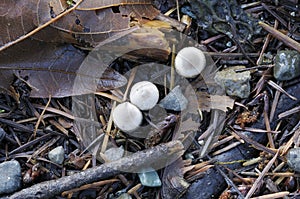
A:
(22, 19)
(100, 4)
(92, 22)
(54, 70)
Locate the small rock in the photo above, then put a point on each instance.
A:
(293, 159)
(124, 196)
(235, 84)
(150, 179)
(114, 154)
(287, 65)
(57, 155)
(10, 178)
(189, 156)
(175, 100)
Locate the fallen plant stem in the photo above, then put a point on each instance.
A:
(88, 186)
(273, 195)
(280, 36)
(160, 154)
(258, 181)
(109, 96)
(280, 89)
(54, 110)
(41, 117)
(266, 43)
(289, 112)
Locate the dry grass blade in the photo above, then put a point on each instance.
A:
(108, 130)
(221, 54)
(282, 21)
(295, 137)
(289, 112)
(172, 68)
(109, 96)
(258, 181)
(43, 148)
(268, 126)
(54, 110)
(223, 141)
(266, 43)
(274, 103)
(130, 80)
(277, 87)
(280, 36)
(59, 127)
(134, 189)
(88, 186)
(41, 117)
(273, 195)
(30, 144)
(230, 146)
(253, 129)
(254, 143)
(32, 119)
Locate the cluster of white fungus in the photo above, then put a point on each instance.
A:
(144, 95)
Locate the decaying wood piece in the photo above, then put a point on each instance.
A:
(161, 154)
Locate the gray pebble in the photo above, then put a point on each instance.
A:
(175, 100)
(114, 153)
(57, 155)
(10, 178)
(235, 84)
(149, 179)
(293, 159)
(287, 65)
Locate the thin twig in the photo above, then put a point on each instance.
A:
(266, 43)
(54, 110)
(258, 181)
(88, 186)
(279, 88)
(108, 130)
(274, 103)
(226, 148)
(158, 155)
(130, 80)
(41, 117)
(172, 81)
(109, 96)
(282, 21)
(273, 195)
(289, 112)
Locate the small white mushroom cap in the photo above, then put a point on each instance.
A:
(189, 62)
(144, 95)
(127, 117)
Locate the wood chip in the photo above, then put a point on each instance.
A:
(208, 102)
